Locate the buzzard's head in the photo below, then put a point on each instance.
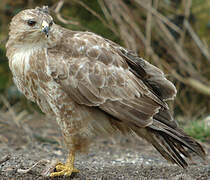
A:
(31, 25)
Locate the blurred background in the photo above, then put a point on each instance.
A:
(174, 35)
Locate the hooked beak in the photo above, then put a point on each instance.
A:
(45, 28)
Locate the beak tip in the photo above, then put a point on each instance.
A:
(46, 31)
(45, 28)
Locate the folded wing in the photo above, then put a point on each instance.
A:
(95, 73)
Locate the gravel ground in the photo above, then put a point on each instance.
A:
(38, 141)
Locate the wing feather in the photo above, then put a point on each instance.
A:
(151, 75)
(100, 76)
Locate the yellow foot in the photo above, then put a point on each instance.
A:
(64, 170)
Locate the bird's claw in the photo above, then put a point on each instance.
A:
(64, 170)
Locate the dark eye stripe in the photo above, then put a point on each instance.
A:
(31, 22)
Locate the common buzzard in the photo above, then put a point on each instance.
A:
(94, 87)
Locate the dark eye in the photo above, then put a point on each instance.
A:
(51, 23)
(31, 22)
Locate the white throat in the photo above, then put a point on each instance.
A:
(20, 60)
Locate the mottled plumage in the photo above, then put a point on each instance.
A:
(93, 86)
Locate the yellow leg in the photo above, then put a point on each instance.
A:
(66, 169)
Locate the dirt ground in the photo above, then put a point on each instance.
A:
(37, 141)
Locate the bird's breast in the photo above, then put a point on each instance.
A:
(29, 71)
(19, 63)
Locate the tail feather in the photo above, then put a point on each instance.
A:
(174, 151)
(182, 150)
(161, 149)
(179, 136)
(173, 144)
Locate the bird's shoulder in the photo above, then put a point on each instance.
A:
(77, 45)
(90, 55)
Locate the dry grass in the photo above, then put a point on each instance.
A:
(19, 128)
